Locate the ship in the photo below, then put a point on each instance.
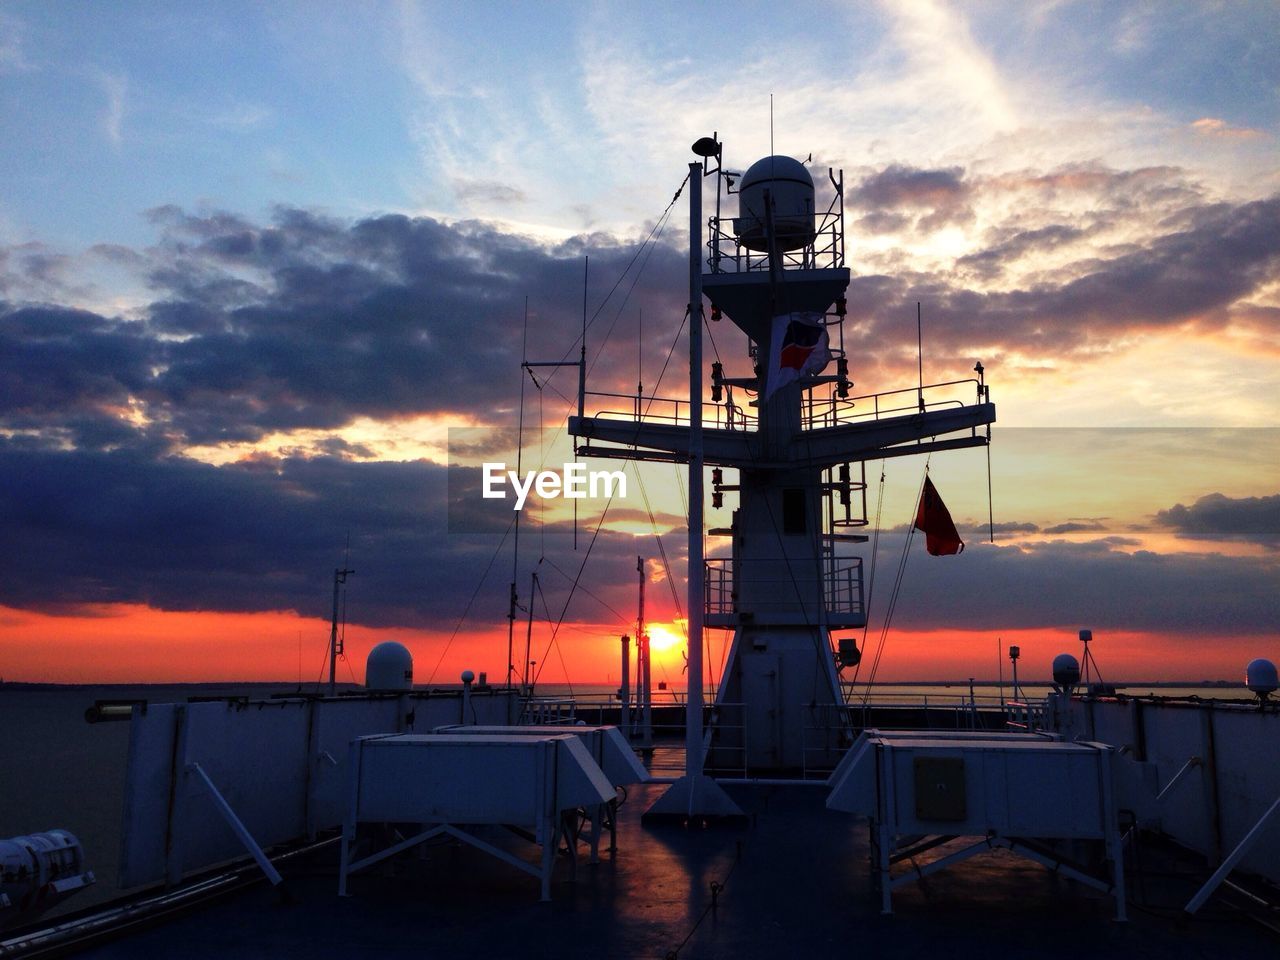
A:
(773, 818)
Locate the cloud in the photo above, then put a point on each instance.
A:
(127, 527)
(1075, 527)
(1014, 245)
(115, 86)
(1217, 516)
(240, 116)
(1204, 259)
(1064, 584)
(310, 323)
(1006, 527)
(490, 191)
(939, 196)
(1219, 129)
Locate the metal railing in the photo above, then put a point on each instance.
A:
(832, 411)
(823, 249)
(726, 585)
(1024, 715)
(539, 711)
(842, 585)
(816, 412)
(671, 410)
(826, 730)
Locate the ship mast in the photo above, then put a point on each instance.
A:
(778, 271)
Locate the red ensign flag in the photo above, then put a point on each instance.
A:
(940, 536)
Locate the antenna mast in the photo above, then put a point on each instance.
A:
(335, 642)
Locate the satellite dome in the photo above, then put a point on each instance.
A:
(1066, 670)
(389, 667)
(1260, 677)
(791, 189)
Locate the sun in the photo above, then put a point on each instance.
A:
(663, 639)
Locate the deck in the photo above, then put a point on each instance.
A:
(794, 883)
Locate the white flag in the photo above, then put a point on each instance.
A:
(798, 347)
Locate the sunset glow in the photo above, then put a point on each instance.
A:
(253, 330)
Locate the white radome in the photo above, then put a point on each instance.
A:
(389, 667)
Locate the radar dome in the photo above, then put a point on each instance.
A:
(389, 667)
(1066, 670)
(791, 189)
(1260, 677)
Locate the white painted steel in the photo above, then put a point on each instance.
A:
(790, 188)
(389, 666)
(611, 753)
(1217, 801)
(280, 765)
(606, 745)
(456, 778)
(1016, 787)
(449, 782)
(237, 827)
(1260, 677)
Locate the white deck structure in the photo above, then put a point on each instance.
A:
(453, 783)
(1015, 791)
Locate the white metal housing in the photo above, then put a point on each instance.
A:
(790, 190)
(389, 667)
(451, 782)
(1001, 790)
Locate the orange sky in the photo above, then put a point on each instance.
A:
(124, 644)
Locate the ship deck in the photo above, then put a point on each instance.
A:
(795, 882)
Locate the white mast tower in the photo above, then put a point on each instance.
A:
(790, 580)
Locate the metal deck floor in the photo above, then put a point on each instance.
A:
(796, 884)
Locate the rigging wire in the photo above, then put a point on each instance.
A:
(603, 514)
(573, 589)
(871, 584)
(650, 243)
(645, 248)
(895, 593)
(474, 593)
(559, 650)
(651, 238)
(622, 620)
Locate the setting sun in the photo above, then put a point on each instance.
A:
(664, 639)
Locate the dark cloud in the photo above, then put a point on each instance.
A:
(71, 372)
(1075, 526)
(1212, 257)
(1064, 584)
(312, 322)
(1010, 246)
(935, 197)
(266, 534)
(1008, 526)
(1217, 516)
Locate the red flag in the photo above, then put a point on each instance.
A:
(940, 536)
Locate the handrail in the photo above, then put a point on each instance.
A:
(815, 412)
(841, 580)
(824, 251)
